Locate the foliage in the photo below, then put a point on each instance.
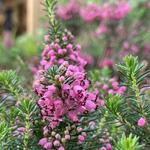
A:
(126, 143)
(17, 109)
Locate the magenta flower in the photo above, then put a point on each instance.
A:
(141, 122)
(90, 13)
(48, 145)
(61, 148)
(73, 116)
(90, 105)
(106, 63)
(68, 11)
(81, 139)
(108, 146)
(21, 130)
(42, 141)
(102, 29)
(121, 10)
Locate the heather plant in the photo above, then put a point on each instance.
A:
(73, 110)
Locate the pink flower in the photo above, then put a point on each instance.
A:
(68, 11)
(90, 13)
(100, 102)
(111, 91)
(56, 143)
(61, 148)
(67, 137)
(108, 146)
(73, 116)
(115, 85)
(102, 29)
(79, 92)
(21, 130)
(81, 139)
(121, 10)
(42, 141)
(45, 130)
(106, 63)
(141, 122)
(126, 45)
(90, 105)
(48, 145)
(59, 108)
(103, 148)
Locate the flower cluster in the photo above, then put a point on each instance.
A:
(62, 86)
(92, 12)
(106, 62)
(105, 12)
(110, 86)
(68, 11)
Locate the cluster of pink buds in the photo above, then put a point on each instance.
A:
(68, 11)
(106, 62)
(92, 12)
(110, 86)
(106, 11)
(106, 140)
(129, 48)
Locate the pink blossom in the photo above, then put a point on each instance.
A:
(67, 137)
(103, 148)
(56, 143)
(61, 148)
(21, 130)
(42, 141)
(106, 12)
(108, 146)
(106, 63)
(126, 45)
(121, 10)
(73, 116)
(102, 29)
(141, 122)
(90, 13)
(48, 145)
(100, 102)
(81, 139)
(90, 105)
(68, 11)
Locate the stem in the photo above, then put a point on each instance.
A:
(102, 122)
(137, 93)
(27, 133)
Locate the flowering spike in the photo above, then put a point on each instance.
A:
(61, 81)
